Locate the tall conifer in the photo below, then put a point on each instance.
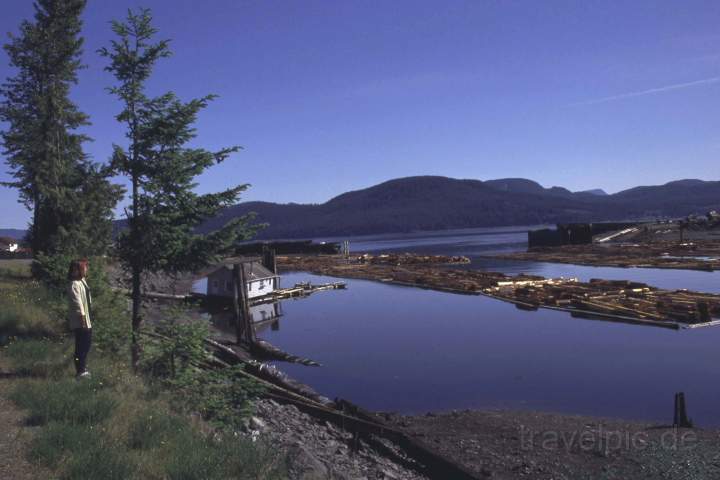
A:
(70, 197)
(165, 211)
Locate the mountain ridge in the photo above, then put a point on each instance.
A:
(434, 203)
(421, 203)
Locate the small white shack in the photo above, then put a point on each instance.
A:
(8, 244)
(260, 280)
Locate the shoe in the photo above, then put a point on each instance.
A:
(84, 374)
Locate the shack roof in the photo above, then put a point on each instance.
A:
(254, 270)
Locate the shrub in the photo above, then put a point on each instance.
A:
(111, 323)
(223, 397)
(52, 269)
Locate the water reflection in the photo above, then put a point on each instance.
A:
(411, 350)
(404, 349)
(264, 316)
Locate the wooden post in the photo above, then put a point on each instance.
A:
(268, 259)
(681, 419)
(703, 312)
(249, 331)
(237, 288)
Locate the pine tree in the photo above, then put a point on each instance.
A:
(165, 211)
(69, 195)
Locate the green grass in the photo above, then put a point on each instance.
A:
(153, 428)
(66, 400)
(39, 358)
(27, 308)
(58, 439)
(112, 426)
(12, 268)
(115, 425)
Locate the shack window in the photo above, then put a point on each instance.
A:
(262, 284)
(215, 284)
(228, 285)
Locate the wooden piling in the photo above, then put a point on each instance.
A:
(244, 331)
(245, 307)
(681, 419)
(237, 288)
(268, 259)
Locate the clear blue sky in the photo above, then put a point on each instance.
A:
(329, 96)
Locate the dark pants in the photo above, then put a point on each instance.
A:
(83, 339)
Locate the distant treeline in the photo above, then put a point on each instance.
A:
(437, 203)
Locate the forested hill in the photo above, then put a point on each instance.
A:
(15, 233)
(436, 203)
(433, 203)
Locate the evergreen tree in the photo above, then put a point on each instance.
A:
(165, 210)
(70, 197)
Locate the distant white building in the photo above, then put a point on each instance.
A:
(260, 281)
(8, 245)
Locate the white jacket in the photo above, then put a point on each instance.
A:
(80, 302)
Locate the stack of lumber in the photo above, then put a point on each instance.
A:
(614, 299)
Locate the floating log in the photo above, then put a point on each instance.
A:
(618, 300)
(263, 349)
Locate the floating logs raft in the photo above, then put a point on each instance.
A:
(618, 300)
(697, 255)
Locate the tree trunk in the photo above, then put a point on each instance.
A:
(136, 272)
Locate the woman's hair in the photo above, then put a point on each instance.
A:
(76, 269)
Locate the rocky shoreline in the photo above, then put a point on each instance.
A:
(320, 450)
(533, 445)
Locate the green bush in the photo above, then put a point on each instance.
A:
(52, 270)
(223, 397)
(84, 402)
(111, 323)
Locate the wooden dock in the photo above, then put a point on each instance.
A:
(298, 291)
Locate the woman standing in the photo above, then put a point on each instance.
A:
(79, 318)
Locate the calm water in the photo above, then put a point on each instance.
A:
(411, 350)
(404, 349)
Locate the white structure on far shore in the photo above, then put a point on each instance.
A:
(8, 244)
